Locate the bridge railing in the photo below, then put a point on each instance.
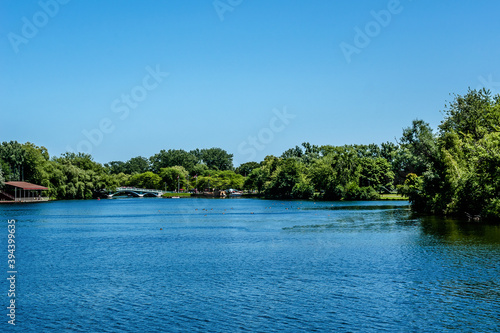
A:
(137, 189)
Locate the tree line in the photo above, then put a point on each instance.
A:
(453, 171)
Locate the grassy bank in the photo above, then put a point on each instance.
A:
(392, 196)
(181, 195)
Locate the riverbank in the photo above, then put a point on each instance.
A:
(393, 197)
(176, 195)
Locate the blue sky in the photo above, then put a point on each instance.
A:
(252, 77)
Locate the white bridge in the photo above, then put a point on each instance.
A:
(137, 192)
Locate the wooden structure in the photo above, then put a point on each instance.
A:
(23, 192)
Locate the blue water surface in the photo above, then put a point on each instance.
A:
(248, 265)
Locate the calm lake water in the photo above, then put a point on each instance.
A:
(248, 265)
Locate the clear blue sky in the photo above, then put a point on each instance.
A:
(69, 68)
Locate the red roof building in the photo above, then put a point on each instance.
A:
(27, 186)
(22, 192)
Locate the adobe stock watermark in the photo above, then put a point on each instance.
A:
(223, 6)
(121, 107)
(265, 136)
(489, 84)
(30, 27)
(364, 36)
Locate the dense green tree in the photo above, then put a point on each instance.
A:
(321, 173)
(372, 150)
(2, 180)
(388, 151)
(13, 155)
(293, 153)
(351, 172)
(5, 169)
(197, 154)
(475, 114)
(34, 159)
(220, 180)
(174, 176)
(147, 179)
(457, 172)
(115, 167)
(173, 157)
(246, 168)
(376, 173)
(422, 146)
(199, 170)
(283, 180)
(305, 154)
(80, 160)
(217, 159)
(137, 164)
(255, 180)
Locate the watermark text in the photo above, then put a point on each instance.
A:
(11, 271)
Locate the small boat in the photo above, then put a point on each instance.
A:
(234, 193)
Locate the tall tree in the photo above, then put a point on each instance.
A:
(458, 172)
(246, 168)
(115, 167)
(173, 177)
(145, 180)
(2, 180)
(137, 164)
(13, 154)
(283, 181)
(472, 114)
(80, 160)
(172, 157)
(217, 159)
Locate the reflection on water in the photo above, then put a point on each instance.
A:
(453, 230)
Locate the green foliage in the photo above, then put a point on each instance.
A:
(5, 168)
(303, 189)
(455, 171)
(220, 180)
(137, 164)
(173, 177)
(34, 159)
(246, 168)
(412, 188)
(216, 159)
(305, 154)
(81, 161)
(115, 167)
(348, 172)
(459, 171)
(13, 154)
(147, 179)
(475, 114)
(2, 180)
(171, 158)
(255, 180)
(376, 173)
(284, 179)
(199, 170)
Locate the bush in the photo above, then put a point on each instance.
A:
(302, 190)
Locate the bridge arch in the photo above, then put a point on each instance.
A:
(137, 192)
